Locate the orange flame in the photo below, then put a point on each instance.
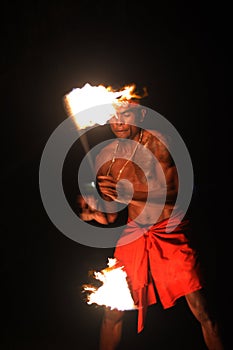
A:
(79, 101)
(114, 292)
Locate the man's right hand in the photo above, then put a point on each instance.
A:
(88, 210)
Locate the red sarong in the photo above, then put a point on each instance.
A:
(160, 257)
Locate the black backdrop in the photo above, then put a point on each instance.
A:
(182, 55)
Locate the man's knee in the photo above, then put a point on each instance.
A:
(199, 306)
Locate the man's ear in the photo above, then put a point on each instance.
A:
(143, 114)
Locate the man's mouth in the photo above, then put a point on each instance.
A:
(121, 130)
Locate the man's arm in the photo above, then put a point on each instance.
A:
(161, 191)
(87, 210)
(124, 192)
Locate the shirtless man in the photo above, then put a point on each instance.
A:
(152, 257)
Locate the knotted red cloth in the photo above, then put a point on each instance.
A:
(153, 258)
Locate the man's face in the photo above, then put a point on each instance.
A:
(124, 123)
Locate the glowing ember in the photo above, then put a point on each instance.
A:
(79, 101)
(114, 292)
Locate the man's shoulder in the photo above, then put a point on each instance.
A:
(157, 136)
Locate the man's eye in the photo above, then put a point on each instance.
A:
(126, 115)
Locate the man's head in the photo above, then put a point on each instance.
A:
(127, 119)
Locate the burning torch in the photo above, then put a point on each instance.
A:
(82, 104)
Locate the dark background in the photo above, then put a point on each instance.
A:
(182, 55)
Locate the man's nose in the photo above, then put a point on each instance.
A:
(119, 119)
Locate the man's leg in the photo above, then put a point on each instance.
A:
(111, 329)
(210, 329)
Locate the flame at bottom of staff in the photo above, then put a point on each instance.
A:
(114, 291)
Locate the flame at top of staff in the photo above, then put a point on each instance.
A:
(79, 101)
